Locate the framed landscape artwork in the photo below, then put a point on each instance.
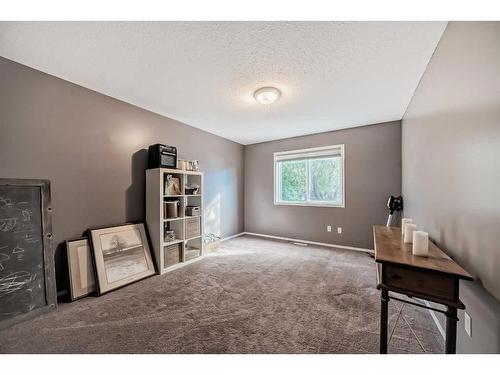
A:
(122, 255)
(81, 268)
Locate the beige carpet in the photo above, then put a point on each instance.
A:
(253, 296)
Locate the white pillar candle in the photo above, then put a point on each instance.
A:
(420, 243)
(403, 223)
(409, 229)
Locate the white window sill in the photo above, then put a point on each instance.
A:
(309, 204)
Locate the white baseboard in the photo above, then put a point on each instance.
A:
(310, 242)
(233, 236)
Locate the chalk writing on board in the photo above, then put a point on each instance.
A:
(5, 202)
(26, 214)
(22, 274)
(3, 258)
(14, 281)
(29, 239)
(17, 249)
(7, 224)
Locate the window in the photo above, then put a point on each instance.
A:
(311, 177)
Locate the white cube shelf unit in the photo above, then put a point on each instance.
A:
(188, 229)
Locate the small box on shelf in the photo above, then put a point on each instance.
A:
(193, 211)
(193, 228)
(191, 191)
(173, 254)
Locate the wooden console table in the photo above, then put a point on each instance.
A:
(434, 278)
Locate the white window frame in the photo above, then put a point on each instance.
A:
(303, 154)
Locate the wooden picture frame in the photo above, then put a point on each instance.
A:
(173, 185)
(121, 255)
(39, 289)
(80, 268)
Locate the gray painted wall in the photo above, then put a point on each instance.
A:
(451, 167)
(92, 148)
(372, 173)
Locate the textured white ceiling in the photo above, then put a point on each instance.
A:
(332, 75)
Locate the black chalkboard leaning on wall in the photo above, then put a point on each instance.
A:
(27, 275)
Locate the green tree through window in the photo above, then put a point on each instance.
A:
(293, 181)
(312, 176)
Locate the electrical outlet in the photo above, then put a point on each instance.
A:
(339, 230)
(468, 324)
(328, 228)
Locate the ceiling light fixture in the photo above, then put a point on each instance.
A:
(267, 95)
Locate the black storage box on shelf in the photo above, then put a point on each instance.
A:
(192, 191)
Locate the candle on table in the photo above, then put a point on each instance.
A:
(403, 223)
(420, 243)
(408, 235)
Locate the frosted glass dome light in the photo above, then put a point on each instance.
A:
(267, 95)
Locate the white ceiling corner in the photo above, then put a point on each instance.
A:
(332, 75)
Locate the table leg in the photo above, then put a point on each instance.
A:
(384, 313)
(451, 330)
